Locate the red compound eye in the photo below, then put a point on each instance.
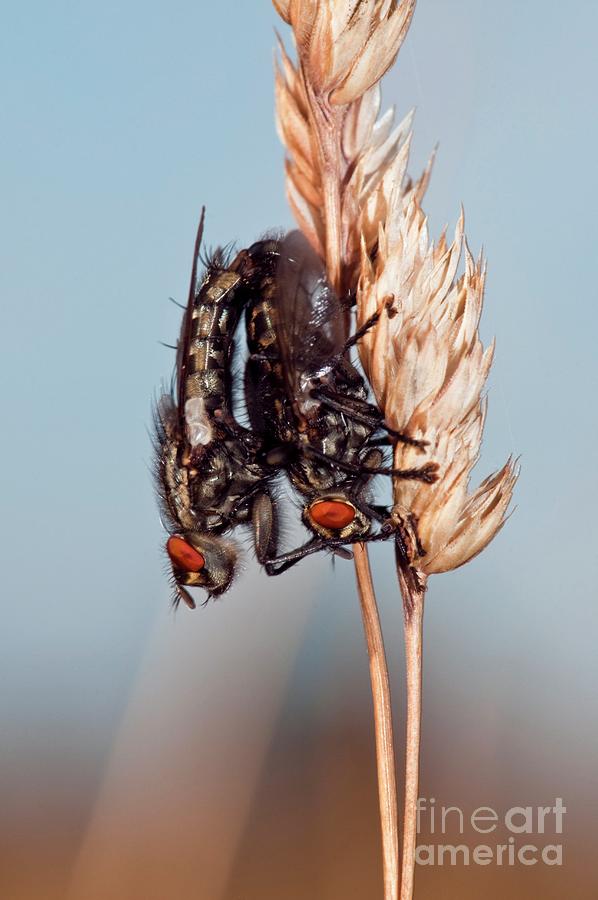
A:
(183, 556)
(332, 513)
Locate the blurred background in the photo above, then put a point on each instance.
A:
(227, 754)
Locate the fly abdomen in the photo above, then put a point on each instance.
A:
(214, 318)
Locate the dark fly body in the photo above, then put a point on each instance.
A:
(211, 473)
(309, 401)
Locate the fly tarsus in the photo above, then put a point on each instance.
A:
(402, 438)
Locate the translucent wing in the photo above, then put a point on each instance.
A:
(311, 328)
(185, 336)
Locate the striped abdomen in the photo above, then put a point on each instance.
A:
(205, 350)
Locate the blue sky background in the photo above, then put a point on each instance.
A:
(119, 121)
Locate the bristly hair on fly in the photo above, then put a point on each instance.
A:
(214, 258)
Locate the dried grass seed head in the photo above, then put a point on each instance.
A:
(348, 186)
(428, 368)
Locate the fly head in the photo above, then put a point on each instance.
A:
(334, 516)
(201, 560)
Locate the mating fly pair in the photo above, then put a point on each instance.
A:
(308, 411)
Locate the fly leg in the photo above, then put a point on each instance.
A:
(426, 473)
(407, 540)
(265, 526)
(286, 560)
(281, 563)
(337, 359)
(363, 412)
(372, 510)
(367, 326)
(355, 338)
(380, 442)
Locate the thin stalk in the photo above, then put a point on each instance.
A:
(385, 757)
(413, 606)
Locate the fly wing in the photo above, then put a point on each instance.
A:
(182, 355)
(311, 327)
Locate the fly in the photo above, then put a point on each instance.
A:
(310, 403)
(211, 472)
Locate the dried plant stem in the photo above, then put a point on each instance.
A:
(385, 757)
(413, 605)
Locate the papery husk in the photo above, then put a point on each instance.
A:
(428, 369)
